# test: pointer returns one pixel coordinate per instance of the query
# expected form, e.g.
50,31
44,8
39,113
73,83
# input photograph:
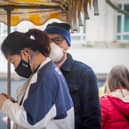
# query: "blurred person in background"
80,77
115,102
44,101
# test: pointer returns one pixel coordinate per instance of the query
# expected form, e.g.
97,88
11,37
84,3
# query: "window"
122,27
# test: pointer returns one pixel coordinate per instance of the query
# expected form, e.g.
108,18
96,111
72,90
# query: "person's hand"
2,100
8,97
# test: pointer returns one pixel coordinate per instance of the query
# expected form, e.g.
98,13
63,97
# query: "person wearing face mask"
80,77
44,101
57,55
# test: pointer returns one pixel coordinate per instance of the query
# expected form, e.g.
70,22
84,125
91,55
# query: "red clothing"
112,118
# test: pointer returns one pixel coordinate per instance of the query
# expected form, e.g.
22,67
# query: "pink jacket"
113,115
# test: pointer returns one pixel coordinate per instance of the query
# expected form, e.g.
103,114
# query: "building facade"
110,26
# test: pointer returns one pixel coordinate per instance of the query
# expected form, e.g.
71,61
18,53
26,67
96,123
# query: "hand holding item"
8,97
2,100
4,97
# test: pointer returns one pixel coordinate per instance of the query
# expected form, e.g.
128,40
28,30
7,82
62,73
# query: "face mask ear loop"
30,58
20,58
30,61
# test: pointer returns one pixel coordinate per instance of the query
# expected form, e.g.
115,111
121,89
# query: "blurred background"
101,42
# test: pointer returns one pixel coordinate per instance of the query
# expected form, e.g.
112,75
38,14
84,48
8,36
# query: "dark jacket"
84,91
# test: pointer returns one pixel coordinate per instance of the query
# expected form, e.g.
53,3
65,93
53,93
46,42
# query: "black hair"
34,39
118,78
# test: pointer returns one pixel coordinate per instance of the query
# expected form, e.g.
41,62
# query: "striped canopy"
39,11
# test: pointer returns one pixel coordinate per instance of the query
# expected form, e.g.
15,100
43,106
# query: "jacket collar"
67,65
122,94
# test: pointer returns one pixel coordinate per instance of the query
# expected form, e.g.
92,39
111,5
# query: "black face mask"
23,69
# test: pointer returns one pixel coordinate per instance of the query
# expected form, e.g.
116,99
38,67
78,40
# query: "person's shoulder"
81,65
104,101
83,68
49,67
47,71
104,98
50,71
75,64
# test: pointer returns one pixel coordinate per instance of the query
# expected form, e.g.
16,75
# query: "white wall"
102,60
101,28
110,24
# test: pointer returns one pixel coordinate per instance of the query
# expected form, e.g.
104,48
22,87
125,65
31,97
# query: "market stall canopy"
40,11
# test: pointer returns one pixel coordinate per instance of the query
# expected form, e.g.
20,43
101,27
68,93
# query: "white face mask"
56,52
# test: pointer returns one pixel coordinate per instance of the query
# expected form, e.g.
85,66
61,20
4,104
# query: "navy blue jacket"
84,91
44,101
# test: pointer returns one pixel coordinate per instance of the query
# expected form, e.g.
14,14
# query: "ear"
25,53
